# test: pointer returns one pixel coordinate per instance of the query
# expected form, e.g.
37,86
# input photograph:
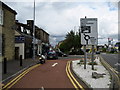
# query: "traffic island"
97,78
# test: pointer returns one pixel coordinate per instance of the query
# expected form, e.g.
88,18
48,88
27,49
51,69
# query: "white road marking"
54,64
117,64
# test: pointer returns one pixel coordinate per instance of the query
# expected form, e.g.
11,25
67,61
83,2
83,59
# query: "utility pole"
34,32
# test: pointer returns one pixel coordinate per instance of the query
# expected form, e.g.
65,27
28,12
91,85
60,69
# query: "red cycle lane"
52,74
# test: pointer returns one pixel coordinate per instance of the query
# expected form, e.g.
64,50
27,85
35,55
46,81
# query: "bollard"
21,60
5,65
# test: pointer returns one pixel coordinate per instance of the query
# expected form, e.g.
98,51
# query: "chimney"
30,23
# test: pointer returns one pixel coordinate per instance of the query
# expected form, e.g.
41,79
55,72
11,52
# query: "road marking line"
54,64
109,66
114,71
18,79
20,76
74,78
13,79
70,77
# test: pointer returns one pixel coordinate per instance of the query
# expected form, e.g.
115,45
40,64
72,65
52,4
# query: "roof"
7,7
24,25
41,29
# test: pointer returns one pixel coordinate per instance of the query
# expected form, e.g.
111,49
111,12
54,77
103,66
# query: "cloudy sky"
59,17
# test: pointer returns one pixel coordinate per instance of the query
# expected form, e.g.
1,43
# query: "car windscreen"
51,52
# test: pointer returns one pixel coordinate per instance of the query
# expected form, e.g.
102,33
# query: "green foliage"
72,44
104,49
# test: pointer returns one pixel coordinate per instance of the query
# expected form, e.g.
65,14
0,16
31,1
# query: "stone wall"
8,34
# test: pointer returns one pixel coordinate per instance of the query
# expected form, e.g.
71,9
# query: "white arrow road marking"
54,64
117,64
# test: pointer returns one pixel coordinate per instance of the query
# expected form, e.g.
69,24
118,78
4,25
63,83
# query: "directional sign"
85,29
89,33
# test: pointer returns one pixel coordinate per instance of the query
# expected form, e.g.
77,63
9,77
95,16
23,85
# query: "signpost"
89,36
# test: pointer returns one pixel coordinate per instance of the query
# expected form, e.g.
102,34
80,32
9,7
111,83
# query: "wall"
8,32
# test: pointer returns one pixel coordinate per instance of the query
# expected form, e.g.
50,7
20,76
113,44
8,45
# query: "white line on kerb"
54,64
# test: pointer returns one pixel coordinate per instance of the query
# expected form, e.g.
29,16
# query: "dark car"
97,52
52,55
61,54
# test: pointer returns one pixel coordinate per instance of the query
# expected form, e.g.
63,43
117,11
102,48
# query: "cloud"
58,18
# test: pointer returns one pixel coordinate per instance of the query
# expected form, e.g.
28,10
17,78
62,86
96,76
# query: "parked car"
97,52
52,55
61,54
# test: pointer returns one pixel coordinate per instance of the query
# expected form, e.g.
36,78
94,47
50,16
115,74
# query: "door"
16,53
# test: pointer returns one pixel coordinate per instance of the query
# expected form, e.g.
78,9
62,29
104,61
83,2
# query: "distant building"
117,46
7,34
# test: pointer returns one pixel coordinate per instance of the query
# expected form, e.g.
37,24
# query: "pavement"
14,68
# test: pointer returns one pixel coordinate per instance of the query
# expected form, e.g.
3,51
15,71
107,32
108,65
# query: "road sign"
85,29
89,34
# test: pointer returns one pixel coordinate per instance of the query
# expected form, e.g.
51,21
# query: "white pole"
34,32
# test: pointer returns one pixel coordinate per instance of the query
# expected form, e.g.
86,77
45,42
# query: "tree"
72,42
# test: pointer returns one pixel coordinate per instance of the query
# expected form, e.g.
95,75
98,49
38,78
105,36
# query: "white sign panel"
89,31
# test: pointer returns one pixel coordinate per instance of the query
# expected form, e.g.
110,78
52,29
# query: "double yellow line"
111,68
16,79
72,79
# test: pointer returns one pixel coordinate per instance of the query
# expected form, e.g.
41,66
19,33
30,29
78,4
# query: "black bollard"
21,60
5,65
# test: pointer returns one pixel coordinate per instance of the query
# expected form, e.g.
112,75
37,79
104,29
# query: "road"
112,59
52,74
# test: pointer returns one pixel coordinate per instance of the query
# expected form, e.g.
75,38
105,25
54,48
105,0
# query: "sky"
59,17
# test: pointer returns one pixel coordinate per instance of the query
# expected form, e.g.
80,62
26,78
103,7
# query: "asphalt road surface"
112,59
52,74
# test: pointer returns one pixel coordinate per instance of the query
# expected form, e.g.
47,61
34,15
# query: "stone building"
24,40
41,35
7,34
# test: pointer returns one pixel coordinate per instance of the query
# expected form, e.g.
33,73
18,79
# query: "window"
1,17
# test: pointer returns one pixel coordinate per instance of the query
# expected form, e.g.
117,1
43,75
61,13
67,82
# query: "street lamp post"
34,32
